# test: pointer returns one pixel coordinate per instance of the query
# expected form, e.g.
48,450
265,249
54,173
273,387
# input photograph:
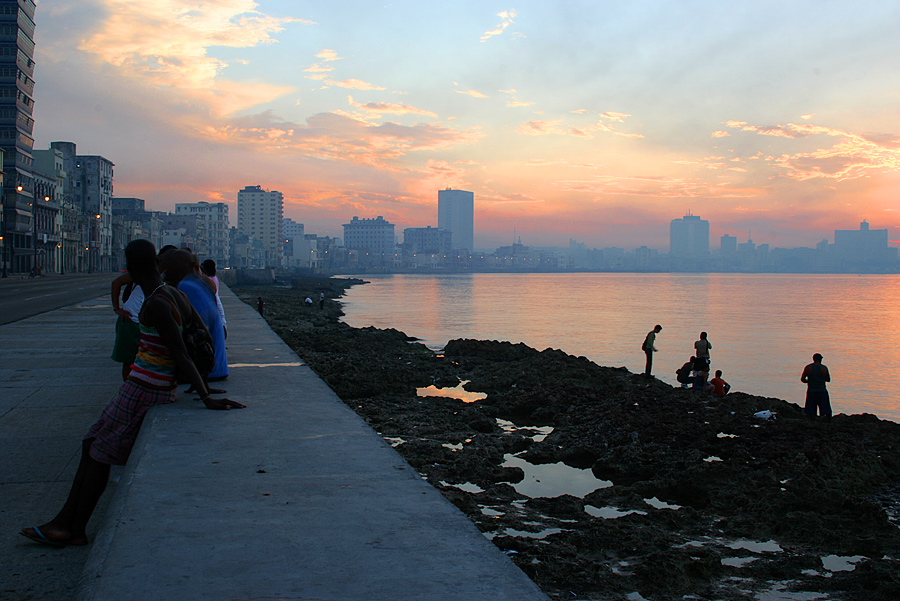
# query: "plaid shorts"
117,429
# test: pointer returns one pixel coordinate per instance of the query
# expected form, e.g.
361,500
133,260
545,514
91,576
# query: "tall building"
863,248
214,217
260,217
291,229
16,127
689,237
93,193
373,238
456,212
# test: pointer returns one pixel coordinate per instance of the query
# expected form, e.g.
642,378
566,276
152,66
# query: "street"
21,298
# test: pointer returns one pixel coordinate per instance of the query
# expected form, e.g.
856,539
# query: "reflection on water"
841,563
553,479
457,392
610,513
763,327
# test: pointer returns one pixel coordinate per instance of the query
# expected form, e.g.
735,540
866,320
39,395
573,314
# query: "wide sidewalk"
294,497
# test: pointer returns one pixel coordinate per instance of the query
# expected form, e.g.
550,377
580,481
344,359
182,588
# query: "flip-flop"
40,538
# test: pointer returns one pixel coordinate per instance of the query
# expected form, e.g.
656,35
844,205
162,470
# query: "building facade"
689,237
16,128
373,239
456,212
260,217
94,192
214,218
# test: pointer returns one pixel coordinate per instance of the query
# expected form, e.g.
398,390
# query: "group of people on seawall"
694,374
168,297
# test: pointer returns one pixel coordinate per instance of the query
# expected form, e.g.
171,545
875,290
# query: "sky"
596,121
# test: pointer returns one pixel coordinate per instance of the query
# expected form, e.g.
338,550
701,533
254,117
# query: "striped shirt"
154,367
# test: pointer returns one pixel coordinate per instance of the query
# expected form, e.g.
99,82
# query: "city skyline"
599,124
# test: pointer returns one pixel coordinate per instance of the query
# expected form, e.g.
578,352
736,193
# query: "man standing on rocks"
649,347
815,375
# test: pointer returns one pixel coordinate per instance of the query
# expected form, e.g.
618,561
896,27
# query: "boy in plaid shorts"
151,382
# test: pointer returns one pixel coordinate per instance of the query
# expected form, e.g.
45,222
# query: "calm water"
763,327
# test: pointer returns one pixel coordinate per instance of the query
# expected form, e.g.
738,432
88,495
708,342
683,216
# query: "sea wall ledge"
294,497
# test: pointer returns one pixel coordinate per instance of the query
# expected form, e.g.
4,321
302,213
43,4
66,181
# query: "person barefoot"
151,382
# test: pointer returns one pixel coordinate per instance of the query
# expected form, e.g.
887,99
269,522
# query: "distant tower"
456,212
689,237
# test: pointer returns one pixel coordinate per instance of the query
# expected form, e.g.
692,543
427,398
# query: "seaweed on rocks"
695,498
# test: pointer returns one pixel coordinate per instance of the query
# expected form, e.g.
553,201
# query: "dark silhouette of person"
702,347
683,374
261,306
649,347
151,382
815,376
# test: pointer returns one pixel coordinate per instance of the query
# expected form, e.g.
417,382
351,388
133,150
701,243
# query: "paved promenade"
294,497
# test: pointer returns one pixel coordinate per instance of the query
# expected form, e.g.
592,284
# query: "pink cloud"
381,108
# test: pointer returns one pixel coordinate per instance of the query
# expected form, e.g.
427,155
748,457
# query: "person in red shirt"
720,386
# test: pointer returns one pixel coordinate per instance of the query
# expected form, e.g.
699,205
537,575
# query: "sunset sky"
599,121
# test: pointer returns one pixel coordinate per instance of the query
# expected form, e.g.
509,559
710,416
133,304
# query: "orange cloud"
656,187
507,17
379,108
328,55
539,127
165,43
473,93
851,156
518,103
335,137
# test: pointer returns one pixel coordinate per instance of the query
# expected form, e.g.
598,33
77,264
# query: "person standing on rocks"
703,347
649,347
815,376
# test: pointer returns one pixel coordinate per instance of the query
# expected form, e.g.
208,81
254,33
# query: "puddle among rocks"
839,563
542,431
756,546
610,513
657,504
457,392
553,479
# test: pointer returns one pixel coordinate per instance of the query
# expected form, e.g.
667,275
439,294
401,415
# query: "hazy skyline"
597,121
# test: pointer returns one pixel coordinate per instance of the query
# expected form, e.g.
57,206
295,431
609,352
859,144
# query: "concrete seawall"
295,497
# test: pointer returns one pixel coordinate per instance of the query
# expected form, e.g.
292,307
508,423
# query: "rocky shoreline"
695,498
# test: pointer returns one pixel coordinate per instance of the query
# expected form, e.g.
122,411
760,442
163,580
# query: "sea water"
763,328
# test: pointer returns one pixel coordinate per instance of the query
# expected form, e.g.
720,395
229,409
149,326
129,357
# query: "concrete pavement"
294,497
55,377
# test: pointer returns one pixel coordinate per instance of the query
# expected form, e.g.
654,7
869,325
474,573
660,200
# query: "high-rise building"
291,229
93,193
260,216
863,248
689,237
214,217
16,127
456,212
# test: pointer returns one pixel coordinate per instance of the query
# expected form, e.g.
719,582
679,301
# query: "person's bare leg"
70,524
